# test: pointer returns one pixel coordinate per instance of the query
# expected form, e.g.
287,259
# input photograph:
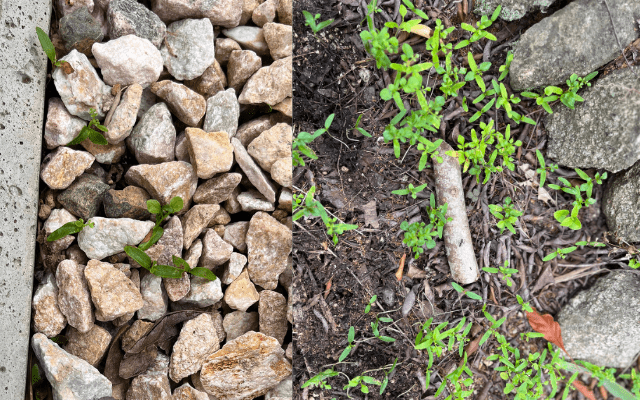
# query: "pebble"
153,139
165,181
212,81
265,12
247,10
253,200
279,38
188,49
272,310
263,366
105,154
184,103
282,171
47,317
186,392
215,250
284,390
234,267
285,12
241,66
198,339
147,100
128,17
218,189
285,107
138,329
79,30
203,293
249,37
170,244
155,297
236,234
248,131
113,294
84,197
128,59
223,111
224,47
124,117
211,152
110,235
61,127
271,145
71,378
255,175
269,85
182,150
241,293
237,323
285,201
130,202
57,218
268,243
196,220
73,295
82,89
150,387
231,205
63,165
225,13
90,346
65,7
192,255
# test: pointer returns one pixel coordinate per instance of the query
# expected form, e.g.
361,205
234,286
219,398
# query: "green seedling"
459,387
385,381
504,69
87,132
50,51
167,271
372,301
570,218
505,271
311,22
300,142
361,381
161,212
562,252
575,83
479,32
376,331
506,147
418,235
634,264
635,381
550,95
69,228
319,380
357,127
410,190
543,168
476,71
350,337
505,214
464,291
335,228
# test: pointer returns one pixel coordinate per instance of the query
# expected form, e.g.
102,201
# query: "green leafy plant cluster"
300,143
506,215
563,252
568,218
544,169
419,235
568,97
167,271
410,190
504,271
312,22
90,133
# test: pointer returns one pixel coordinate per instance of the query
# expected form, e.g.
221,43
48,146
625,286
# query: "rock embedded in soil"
237,323
511,9
224,47
61,127
198,339
217,189
130,202
241,293
600,325
165,181
606,126
71,378
282,171
223,111
583,42
620,204
153,139
234,267
212,81
269,85
79,30
249,37
128,59
74,299
47,317
57,218
63,165
110,235
128,17
269,244
90,346
155,297
196,220
113,294
253,200
271,145
84,197
215,250
272,310
262,368
124,117
210,152
186,104
188,49
248,131
236,235
225,13
265,13
241,66
255,175
279,38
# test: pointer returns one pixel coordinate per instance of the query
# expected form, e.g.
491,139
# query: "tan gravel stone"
63,165
285,107
212,80
105,154
198,339
282,171
195,220
279,38
90,346
233,268
61,127
186,104
224,47
215,250
269,85
130,202
238,323
242,293
265,12
272,309
220,218
217,189
285,12
285,201
73,295
271,145
248,131
269,244
210,152
47,317
165,181
255,175
247,10
231,204
186,392
242,65
124,116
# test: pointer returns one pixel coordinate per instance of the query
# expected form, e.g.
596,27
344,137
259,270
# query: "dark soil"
334,74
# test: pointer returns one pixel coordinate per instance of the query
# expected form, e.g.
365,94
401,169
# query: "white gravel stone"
74,299
71,378
253,200
225,13
47,317
124,117
234,267
110,235
57,218
182,149
155,298
188,49
165,181
223,111
249,37
61,127
198,339
203,293
153,139
128,59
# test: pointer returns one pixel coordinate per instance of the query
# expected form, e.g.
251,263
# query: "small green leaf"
96,137
156,234
167,271
69,228
176,204
474,296
457,287
180,263
203,273
46,44
154,206
352,334
138,256
84,133
344,354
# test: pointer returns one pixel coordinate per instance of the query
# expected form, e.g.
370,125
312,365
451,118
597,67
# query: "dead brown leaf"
422,30
584,390
401,268
546,325
328,288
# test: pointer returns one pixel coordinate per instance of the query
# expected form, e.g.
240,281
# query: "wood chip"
371,215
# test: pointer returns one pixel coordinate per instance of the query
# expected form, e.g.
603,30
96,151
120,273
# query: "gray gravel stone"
79,30
215,252
128,17
130,202
110,235
582,41
189,48
236,234
621,205
223,111
203,293
511,9
255,175
600,324
153,139
155,297
84,197
248,131
249,37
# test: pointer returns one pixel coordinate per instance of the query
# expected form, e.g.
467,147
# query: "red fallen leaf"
583,389
327,290
604,393
401,268
546,325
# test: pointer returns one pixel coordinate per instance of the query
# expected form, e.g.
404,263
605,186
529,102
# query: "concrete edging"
23,68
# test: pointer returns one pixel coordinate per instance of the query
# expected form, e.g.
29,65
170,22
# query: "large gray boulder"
511,9
577,39
604,131
600,324
621,204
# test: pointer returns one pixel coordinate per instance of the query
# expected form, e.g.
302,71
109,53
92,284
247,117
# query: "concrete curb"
23,67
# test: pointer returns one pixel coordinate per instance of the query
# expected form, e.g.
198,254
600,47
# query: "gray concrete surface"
23,67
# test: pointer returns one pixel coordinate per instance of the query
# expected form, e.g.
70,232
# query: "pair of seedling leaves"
138,253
